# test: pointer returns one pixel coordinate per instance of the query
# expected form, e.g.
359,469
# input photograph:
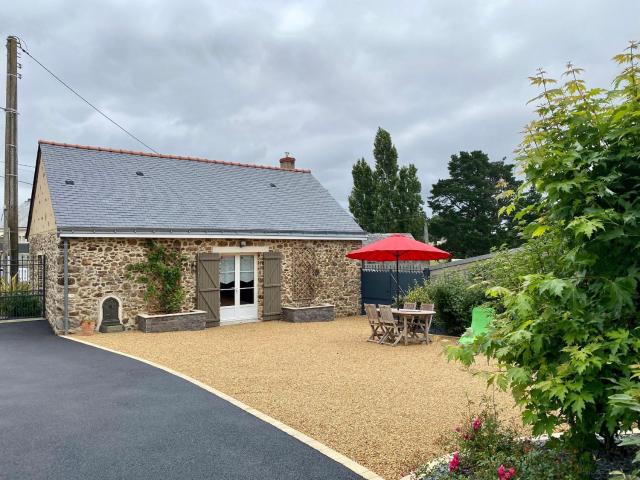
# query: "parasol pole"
398,278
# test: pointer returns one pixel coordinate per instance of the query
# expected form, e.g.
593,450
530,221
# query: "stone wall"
49,245
97,268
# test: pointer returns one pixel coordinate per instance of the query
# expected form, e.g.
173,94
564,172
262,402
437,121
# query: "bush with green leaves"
456,294
566,338
507,267
18,299
453,296
628,400
161,273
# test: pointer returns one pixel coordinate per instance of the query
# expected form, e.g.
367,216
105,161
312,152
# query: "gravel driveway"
71,411
385,407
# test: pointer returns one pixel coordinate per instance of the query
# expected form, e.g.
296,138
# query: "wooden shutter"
208,286
272,309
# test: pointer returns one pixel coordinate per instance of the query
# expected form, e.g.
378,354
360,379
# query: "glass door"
227,282
247,280
238,288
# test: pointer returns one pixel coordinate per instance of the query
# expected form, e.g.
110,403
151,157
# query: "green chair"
480,318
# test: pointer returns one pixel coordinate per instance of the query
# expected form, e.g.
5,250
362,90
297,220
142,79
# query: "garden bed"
315,313
172,322
620,459
487,448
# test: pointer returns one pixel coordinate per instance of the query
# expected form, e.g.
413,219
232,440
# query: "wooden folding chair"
423,328
412,320
377,330
390,325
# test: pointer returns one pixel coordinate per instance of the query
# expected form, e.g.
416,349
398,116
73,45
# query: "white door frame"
237,312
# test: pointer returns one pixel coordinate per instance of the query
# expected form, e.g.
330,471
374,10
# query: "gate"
379,286
22,288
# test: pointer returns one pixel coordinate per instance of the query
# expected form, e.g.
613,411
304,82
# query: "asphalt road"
71,411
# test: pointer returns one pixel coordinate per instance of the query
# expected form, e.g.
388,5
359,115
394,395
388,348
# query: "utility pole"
426,229
11,156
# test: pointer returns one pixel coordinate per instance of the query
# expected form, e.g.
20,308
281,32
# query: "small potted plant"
87,327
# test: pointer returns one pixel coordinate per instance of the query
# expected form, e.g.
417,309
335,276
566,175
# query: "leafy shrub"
453,296
18,300
21,305
629,401
487,449
456,294
162,275
566,338
506,268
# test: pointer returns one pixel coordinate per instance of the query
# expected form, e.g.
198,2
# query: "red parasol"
397,247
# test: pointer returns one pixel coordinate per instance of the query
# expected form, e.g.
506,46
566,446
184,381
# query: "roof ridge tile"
174,157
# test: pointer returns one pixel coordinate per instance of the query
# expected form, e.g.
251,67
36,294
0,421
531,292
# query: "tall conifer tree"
465,206
387,199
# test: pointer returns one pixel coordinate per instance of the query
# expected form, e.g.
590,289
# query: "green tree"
386,182
387,198
409,207
363,198
567,339
465,206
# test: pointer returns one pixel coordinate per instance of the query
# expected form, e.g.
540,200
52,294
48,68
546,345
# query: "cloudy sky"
246,81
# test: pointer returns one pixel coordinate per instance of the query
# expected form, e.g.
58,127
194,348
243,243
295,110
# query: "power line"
21,181
25,165
84,99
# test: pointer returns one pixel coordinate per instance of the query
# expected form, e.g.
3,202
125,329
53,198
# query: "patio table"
420,315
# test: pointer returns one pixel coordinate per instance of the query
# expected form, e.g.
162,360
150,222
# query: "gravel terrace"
385,407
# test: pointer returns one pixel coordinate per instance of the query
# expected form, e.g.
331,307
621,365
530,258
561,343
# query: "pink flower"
477,423
504,474
454,464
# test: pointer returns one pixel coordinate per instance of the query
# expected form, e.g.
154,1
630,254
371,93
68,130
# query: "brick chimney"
287,162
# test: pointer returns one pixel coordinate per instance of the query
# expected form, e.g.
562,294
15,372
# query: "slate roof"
374,237
184,195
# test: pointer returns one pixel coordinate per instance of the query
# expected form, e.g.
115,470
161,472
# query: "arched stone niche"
110,315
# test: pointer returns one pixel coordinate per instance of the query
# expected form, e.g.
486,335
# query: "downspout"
66,285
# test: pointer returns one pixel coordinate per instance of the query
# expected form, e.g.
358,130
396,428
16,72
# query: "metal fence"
379,286
22,288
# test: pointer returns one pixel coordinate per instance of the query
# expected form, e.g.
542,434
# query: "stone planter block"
172,322
317,313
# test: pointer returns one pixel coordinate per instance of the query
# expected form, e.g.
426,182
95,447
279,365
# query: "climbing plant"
161,273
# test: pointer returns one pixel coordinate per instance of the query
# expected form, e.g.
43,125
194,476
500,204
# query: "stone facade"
97,268
50,246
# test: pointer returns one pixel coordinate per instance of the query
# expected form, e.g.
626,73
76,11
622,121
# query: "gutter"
82,233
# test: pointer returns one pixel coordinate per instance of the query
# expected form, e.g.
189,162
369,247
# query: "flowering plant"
477,423
487,449
504,474
454,464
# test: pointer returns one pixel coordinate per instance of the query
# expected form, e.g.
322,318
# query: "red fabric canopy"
398,247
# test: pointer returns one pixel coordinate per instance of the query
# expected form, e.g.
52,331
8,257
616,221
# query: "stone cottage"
271,235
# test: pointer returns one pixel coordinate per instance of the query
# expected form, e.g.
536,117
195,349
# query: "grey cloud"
246,81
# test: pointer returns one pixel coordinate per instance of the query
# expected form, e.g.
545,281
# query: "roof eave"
90,232
33,192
